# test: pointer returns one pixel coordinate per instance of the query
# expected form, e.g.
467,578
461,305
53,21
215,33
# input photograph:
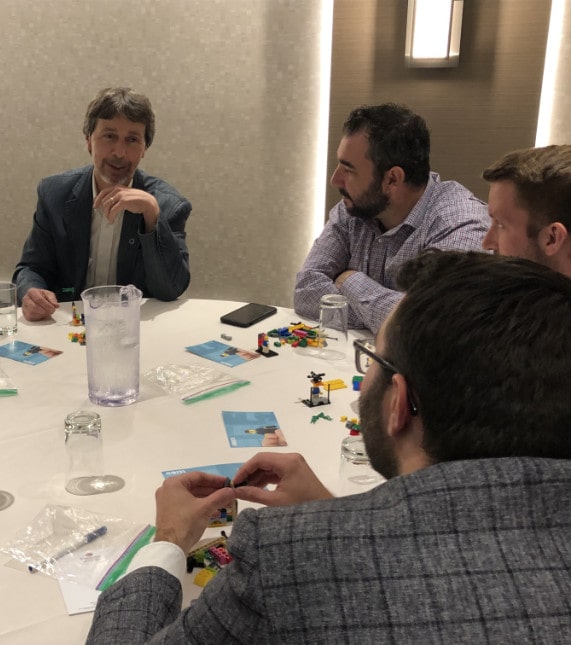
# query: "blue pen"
69,548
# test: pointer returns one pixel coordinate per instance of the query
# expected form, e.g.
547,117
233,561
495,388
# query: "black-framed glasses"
365,353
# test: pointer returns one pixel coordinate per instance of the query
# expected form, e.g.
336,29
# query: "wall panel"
477,111
234,85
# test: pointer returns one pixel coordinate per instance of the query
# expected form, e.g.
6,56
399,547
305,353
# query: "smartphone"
248,315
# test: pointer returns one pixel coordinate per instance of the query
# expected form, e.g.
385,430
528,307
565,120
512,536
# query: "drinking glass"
8,309
332,338
83,444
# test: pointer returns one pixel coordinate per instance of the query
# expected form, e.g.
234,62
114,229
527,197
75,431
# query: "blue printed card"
253,430
222,353
22,352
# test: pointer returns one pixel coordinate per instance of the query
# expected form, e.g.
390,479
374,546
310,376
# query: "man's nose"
489,243
337,178
119,149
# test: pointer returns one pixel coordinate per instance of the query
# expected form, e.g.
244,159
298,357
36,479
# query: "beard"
371,203
377,443
115,174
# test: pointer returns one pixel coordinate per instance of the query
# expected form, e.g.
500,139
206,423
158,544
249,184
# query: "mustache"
344,193
120,165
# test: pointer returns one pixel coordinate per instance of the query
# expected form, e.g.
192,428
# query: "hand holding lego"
186,503
39,304
115,199
294,479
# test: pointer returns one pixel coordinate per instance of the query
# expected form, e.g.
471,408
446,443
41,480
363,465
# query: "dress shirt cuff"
166,555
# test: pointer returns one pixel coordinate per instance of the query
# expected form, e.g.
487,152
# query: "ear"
393,178
552,237
399,411
88,140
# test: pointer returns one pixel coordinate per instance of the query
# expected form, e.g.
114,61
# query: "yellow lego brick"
203,577
335,384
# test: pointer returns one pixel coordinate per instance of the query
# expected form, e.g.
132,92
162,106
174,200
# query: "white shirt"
104,245
166,555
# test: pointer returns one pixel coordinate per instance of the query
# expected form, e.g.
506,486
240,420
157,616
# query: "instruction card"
253,430
222,353
226,470
22,352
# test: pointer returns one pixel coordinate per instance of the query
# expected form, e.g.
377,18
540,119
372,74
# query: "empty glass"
83,443
8,309
333,313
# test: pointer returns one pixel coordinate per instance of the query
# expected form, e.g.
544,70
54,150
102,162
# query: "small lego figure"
76,319
264,346
316,391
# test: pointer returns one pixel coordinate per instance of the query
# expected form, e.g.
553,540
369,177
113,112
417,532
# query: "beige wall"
234,84
477,111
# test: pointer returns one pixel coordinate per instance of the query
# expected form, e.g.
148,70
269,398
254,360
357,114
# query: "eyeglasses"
364,353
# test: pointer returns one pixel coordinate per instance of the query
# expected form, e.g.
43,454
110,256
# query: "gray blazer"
461,552
56,252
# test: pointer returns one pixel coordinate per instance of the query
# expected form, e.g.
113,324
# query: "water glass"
8,309
333,313
84,448
357,475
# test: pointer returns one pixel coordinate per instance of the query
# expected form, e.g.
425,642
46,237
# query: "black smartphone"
248,315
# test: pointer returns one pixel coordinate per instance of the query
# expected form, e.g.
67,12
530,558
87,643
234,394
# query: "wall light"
433,33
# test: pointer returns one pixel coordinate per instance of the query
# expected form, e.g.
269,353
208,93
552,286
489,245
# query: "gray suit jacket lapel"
77,218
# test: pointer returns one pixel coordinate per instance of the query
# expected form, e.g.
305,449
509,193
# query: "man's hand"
340,279
186,503
115,199
294,479
39,304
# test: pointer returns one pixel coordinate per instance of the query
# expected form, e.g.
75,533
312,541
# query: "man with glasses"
465,408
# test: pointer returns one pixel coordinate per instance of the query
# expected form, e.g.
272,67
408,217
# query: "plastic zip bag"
75,545
192,383
6,386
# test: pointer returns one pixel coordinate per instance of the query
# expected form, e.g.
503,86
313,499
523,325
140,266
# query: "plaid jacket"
461,552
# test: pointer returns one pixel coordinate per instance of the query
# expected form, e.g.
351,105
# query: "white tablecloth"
139,441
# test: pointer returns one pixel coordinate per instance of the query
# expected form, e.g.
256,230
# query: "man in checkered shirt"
392,208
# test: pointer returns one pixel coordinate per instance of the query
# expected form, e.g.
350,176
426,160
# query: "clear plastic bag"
6,386
192,383
75,545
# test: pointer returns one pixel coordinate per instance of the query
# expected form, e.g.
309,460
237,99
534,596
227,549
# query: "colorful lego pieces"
77,337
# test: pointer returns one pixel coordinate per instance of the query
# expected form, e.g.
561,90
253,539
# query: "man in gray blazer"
108,223
465,408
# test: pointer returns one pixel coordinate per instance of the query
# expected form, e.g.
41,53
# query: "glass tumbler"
84,448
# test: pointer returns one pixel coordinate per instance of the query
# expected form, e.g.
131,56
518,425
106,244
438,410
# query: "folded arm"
165,254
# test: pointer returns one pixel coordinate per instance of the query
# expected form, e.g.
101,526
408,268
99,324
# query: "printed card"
17,350
222,353
253,430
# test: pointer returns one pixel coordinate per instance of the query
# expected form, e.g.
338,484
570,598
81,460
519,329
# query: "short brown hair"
121,101
542,177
